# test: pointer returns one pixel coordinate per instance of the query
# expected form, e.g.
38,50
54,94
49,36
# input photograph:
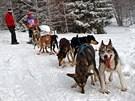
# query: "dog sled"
45,29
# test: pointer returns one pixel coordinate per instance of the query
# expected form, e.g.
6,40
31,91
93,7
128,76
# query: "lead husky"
109,61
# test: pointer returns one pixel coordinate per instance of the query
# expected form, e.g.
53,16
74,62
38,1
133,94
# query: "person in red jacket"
31,23
10,22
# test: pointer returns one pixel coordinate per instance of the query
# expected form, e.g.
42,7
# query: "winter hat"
9,10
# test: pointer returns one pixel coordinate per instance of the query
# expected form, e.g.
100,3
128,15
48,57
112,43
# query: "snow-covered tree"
79,16
87,15
103,13
22,7
53,18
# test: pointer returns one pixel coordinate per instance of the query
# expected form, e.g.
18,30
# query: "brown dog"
48,41
65,50
45,41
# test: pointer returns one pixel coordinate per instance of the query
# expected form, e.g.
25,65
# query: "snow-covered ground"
26,76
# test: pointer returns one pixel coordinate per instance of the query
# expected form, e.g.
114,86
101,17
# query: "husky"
36,37
85,63
109,61
53,43
77,41
65,51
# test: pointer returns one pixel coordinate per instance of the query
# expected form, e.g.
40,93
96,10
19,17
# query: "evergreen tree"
103,14
79,16
86,16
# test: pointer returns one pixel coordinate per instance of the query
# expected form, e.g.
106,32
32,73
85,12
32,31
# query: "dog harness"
83,46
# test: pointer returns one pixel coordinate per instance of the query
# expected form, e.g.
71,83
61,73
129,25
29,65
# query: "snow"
26,76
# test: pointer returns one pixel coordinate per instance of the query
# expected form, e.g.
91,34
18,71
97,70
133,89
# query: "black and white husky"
109,61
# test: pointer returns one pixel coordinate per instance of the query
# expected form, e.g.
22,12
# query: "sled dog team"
82,56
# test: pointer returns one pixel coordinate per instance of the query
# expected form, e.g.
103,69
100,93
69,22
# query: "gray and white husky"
109,61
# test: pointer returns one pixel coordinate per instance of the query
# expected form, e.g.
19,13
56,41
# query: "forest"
77,16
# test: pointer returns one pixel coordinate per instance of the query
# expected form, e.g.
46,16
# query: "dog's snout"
59,64
105,56
60,60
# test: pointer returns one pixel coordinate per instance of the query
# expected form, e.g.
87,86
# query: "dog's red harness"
107,61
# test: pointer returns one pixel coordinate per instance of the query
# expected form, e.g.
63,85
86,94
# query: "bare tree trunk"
118,12
11,6
124,12
36,4
65,16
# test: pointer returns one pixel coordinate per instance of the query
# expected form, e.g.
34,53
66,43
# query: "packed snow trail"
26,76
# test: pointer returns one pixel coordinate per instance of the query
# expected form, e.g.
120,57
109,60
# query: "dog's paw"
124,89
92,83
104,91
38,53
50,53
72,65
63,66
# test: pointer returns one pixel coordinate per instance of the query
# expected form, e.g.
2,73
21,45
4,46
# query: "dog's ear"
72,75
110,42
102,43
